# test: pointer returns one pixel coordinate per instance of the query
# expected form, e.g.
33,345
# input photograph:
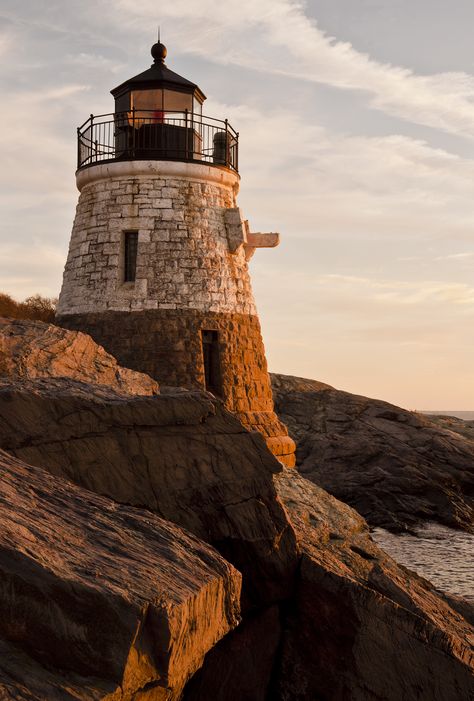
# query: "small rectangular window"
212,366
130,255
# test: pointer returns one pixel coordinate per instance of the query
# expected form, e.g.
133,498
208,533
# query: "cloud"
9,35
97,63
5,43
37,192
457,256
35,145
409,342
380,296
309,180
291,43
403,293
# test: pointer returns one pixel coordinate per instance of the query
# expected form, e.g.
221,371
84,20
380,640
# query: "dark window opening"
130,256
212,365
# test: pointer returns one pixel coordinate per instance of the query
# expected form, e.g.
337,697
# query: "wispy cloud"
292,44
349,186
35,149
5,43
97,62
400,292
372,335
456,256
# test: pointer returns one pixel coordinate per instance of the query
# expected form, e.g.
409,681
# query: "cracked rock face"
32,349
326,615
361,626
183,456
98,600
395,467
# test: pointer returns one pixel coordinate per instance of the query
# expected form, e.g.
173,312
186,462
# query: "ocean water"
440,554
465,415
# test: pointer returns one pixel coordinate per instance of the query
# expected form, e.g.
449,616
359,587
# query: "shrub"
8,306
34,307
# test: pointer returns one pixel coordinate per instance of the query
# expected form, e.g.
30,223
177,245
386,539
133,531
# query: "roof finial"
158,50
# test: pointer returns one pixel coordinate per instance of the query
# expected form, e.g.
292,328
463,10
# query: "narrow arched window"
130,255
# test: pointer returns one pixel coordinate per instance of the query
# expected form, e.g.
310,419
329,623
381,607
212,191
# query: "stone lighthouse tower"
157,267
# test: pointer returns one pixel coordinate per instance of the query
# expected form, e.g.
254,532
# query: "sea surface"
465,415
440,554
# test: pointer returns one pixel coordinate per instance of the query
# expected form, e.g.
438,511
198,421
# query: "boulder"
463,426
98,600
360,626
182,456
32,349
395,467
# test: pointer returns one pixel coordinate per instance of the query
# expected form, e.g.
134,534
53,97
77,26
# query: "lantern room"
159,93
158,116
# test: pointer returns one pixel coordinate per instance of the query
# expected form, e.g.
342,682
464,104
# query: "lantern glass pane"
146,100
197,107
177,101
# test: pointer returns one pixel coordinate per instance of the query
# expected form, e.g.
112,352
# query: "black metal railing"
157,135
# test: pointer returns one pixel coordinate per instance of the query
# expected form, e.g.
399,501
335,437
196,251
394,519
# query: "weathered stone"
180,455
360,626
201,209
32,349
235,228
100,600
394,466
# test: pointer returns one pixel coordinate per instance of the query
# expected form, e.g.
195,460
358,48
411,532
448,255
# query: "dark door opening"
212,365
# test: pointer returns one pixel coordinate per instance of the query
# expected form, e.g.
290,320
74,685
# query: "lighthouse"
157,269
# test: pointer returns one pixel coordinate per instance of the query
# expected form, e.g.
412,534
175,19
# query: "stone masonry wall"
183,259
166,345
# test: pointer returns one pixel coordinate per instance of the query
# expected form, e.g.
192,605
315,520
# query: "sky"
356,122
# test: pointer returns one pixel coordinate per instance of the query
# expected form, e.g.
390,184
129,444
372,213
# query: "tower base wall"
167,345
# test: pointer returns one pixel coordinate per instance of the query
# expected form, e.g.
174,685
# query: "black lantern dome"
158,89
158,116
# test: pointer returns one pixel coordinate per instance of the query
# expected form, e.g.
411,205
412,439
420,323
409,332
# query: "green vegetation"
34,307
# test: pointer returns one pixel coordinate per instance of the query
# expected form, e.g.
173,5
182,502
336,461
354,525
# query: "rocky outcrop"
452,423
182,456
360,626
98,600
326,615
32,349
282,384
394,466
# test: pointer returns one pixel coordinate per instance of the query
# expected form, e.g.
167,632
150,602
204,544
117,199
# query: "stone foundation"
166,344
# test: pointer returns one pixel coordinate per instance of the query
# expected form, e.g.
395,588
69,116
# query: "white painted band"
176,169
